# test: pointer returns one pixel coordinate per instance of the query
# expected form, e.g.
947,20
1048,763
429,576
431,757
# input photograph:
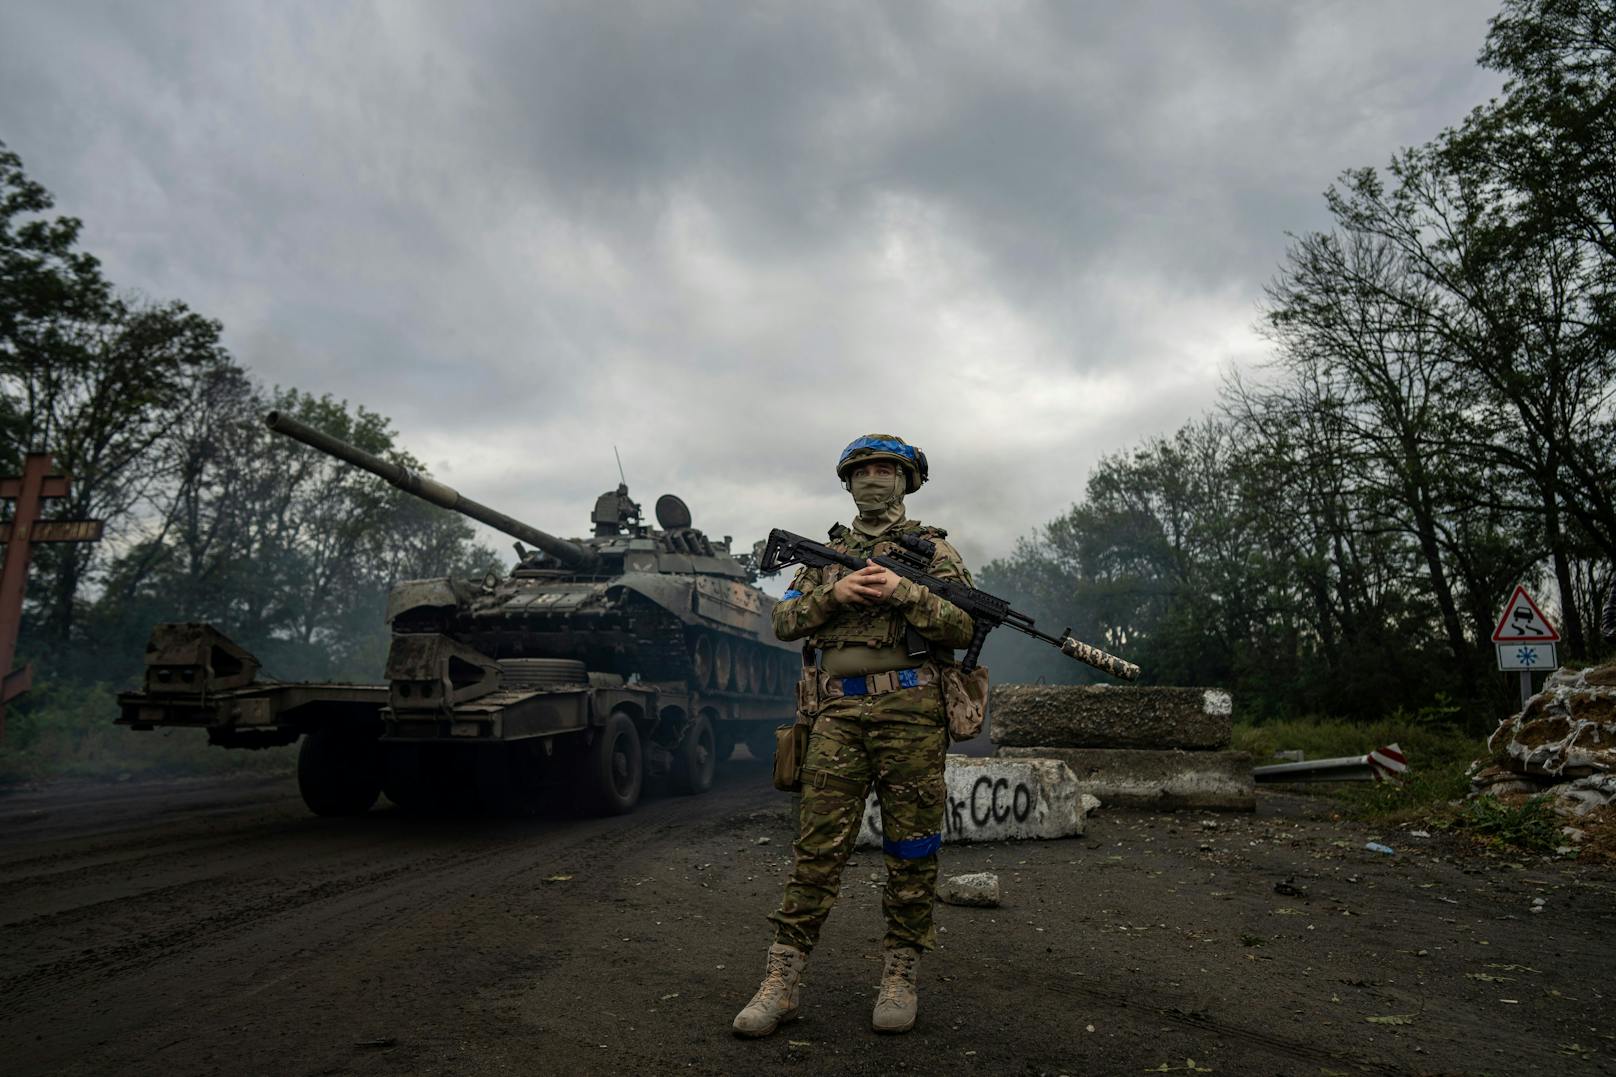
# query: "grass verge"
1531,824
67,731
1435,792
1439,755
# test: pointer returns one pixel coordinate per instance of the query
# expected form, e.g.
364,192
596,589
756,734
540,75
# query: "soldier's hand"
884,579
859,588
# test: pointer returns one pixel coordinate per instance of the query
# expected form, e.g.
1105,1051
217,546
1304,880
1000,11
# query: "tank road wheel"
723,663
701,660
760,741
339,771
769,672
616,767
756,663
743,667
696,757
790,671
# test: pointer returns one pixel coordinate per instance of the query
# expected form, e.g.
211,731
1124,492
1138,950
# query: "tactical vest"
873,625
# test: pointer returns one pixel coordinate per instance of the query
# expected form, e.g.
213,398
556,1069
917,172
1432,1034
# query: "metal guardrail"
1379,765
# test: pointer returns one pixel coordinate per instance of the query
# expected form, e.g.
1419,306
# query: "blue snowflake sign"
1526,657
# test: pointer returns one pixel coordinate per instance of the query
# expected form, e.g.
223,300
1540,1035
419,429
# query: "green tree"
96,379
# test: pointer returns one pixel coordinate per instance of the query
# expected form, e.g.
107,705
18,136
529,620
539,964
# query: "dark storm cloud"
728,238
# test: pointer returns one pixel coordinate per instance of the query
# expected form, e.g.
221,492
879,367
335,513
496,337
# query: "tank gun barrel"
568,553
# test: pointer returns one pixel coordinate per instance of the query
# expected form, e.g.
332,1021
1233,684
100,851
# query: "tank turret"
663,604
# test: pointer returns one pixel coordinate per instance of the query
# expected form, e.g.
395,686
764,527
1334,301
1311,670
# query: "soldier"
878,717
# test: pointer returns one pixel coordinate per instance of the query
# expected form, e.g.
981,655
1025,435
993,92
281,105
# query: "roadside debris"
980,889
1562,744
1377,847
1288,888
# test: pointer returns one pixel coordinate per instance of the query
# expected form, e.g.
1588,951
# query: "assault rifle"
912,561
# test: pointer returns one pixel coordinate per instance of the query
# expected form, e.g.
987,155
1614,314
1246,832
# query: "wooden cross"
19,535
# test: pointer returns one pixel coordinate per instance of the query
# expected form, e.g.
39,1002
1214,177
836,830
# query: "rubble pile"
1146,747
1563,742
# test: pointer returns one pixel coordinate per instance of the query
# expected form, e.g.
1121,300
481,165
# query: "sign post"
1525,640
19,535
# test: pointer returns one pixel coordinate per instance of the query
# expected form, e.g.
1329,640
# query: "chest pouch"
860,626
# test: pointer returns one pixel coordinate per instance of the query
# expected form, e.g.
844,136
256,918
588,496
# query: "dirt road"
213,926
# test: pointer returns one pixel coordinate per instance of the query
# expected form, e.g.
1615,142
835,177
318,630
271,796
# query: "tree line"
1435,425
209,516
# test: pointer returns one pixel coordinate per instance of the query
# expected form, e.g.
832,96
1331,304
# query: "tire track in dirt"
1201,1021
136,954
191,916
64,869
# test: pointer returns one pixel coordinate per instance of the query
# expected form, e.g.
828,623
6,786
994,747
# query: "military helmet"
885,447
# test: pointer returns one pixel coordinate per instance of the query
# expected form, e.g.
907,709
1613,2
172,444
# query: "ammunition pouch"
965,700
791,741
790,749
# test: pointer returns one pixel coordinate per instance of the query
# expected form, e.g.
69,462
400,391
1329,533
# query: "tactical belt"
876,684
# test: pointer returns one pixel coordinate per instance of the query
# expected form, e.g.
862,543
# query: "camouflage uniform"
888,729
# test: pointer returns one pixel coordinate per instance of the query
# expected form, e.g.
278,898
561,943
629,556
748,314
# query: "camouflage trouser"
898,741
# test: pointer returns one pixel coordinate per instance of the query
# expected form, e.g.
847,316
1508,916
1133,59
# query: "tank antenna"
620,474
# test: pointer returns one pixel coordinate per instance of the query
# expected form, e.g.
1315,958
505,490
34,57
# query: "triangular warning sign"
1523,622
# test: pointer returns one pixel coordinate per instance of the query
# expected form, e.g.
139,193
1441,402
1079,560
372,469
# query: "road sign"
1523,622
1526,657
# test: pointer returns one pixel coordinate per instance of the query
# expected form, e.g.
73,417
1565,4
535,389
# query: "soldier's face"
875,486
883,469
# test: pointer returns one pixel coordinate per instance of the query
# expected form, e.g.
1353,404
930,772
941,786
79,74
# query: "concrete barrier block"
1000,799
1169,780
1109,716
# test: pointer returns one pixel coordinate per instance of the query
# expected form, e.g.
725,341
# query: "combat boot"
777,997
896,1004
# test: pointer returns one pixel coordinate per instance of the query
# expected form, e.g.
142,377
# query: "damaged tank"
635,652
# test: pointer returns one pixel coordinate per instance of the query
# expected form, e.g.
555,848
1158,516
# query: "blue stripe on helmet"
912,848
897,448
793,593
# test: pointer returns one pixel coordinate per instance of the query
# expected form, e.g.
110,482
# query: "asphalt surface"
213,926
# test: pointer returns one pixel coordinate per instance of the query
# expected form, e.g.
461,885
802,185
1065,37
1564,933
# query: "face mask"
879,499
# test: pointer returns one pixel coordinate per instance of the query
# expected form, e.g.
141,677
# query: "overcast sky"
725,237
